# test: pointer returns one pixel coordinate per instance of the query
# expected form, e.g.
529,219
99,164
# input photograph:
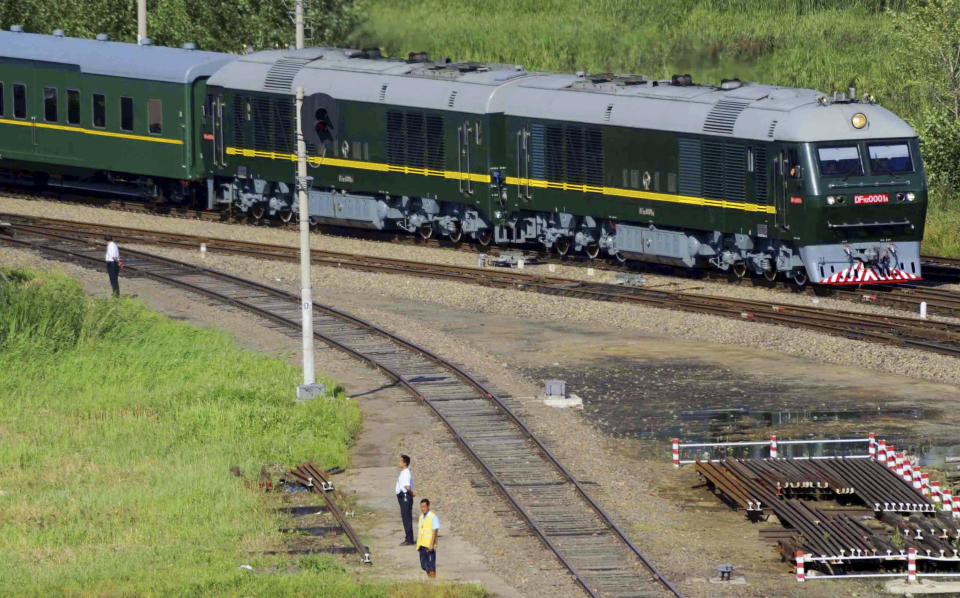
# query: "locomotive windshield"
890,157
841,160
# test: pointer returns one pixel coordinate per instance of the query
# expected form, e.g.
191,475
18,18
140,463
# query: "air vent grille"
608,112
383,92
723,116
453,98
281,74
773,127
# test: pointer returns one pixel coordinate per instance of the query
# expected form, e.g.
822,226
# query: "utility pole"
309,389
299,20
141,20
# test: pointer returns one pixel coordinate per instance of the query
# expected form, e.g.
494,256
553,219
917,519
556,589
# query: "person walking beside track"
427,532
113,265
405,496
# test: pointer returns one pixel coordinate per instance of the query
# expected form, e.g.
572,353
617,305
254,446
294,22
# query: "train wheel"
739,270
426,231
592,250
257,212
620,258
799,279
770,275
456,236
484,238
562,245
285,216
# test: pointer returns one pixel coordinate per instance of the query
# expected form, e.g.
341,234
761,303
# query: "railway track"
936,269
928,335
554,504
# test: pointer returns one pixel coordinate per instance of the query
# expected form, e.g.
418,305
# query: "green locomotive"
740,177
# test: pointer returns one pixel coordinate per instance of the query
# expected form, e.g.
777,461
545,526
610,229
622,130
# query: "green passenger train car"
96,114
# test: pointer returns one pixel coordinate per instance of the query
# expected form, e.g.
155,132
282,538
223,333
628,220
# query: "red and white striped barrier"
801,574
773,446
935,493
911,565
899,464
925,485
907,471
676,452
947,501
872,449
882,452
891,457
917,480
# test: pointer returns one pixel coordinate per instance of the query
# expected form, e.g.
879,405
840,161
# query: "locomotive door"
468,137
780,191
523,165
219,154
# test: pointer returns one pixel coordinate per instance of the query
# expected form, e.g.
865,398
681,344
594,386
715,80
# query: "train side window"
155,117
73,107
99,110
50,104
1,98
126,113
19,100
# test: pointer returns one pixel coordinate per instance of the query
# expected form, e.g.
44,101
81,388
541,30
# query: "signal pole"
141,20
309,389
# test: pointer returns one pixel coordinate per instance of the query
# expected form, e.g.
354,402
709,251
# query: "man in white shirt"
405,494
113,265
427,531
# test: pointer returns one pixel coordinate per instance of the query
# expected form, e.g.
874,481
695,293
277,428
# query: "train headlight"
911,196
858,120
831,200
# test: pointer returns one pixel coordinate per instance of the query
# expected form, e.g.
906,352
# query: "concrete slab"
925,587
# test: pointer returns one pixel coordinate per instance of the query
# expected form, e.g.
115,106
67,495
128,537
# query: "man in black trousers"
405,496
113,265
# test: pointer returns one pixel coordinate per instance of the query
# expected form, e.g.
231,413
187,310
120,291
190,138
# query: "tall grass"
118,429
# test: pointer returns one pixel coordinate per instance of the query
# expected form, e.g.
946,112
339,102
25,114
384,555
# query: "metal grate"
415,139
723,116
383,92
734,172
281,74
773,127
712,156
453,98
760,175
690,183
608,112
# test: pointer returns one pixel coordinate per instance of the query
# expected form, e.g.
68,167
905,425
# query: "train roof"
116,59
735,109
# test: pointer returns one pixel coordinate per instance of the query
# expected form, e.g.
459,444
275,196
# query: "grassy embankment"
821,44
118,429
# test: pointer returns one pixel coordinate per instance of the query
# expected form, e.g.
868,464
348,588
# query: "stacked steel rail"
555,505
939,337
310,476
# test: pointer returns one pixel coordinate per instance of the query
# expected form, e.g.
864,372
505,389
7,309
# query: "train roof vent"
383,91
103,37
453,98
723,116
608,112
773,127
281,74
16,28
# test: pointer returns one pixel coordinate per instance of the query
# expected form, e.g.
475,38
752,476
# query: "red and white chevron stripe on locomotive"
861,274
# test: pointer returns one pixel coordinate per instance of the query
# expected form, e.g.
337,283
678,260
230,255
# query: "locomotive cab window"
889,158
99,110
126,113
155,117
19,100
73,107
50,104
841,160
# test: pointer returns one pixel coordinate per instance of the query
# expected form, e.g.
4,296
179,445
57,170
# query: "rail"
167,270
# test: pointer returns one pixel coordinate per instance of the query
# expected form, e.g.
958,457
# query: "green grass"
118,430
942,235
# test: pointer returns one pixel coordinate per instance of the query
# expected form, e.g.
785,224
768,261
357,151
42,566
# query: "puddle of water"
698,402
